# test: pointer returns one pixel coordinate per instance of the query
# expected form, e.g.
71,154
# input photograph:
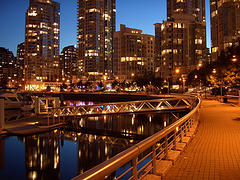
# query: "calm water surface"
84,143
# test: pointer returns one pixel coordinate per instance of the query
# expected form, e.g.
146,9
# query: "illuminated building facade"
42,41
180,42
96,24
193,7
225,24
8,66
133,53
68,63
20,59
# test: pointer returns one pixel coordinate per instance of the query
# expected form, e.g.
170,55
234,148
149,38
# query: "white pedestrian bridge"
149,158
166,103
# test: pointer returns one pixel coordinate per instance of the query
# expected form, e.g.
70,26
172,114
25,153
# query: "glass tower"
96,24
42,41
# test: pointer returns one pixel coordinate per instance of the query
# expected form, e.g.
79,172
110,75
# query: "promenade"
214,152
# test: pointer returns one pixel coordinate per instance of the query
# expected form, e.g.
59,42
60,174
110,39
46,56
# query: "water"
84,143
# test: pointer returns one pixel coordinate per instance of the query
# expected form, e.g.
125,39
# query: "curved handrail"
107,167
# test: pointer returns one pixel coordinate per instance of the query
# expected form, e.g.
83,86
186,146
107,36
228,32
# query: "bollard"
2,122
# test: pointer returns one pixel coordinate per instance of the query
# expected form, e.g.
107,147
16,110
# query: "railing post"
184,128
134,171
187,127
191,122
180,134
154,159
166,146
174,140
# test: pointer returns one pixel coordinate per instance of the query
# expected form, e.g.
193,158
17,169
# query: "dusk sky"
140,14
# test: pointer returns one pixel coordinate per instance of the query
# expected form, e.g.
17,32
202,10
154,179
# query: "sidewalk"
214,152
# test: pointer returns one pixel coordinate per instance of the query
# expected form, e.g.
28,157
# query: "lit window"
215,49
198,41
33,13
198,51
162,27
214,13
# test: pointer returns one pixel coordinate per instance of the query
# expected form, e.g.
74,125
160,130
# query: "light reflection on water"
84,143
77,103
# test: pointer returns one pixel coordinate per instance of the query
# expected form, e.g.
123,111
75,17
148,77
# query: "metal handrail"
131,155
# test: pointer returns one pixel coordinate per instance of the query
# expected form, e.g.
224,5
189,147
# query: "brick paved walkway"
214,152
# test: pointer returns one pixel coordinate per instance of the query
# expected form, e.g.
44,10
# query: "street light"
105,78
234,59
214,71
177,71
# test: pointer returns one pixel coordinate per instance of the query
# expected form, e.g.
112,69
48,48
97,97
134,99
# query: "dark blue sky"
140,14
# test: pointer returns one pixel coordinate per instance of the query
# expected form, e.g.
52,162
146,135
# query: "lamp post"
221,81
132,75
177,71
234,58
168,81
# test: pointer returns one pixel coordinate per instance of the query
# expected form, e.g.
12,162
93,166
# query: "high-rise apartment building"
180,42
8,66
20,59
42,25
133,53
225,24
96,24
193,7
68,63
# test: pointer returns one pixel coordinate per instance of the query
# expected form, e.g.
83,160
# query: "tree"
79,84
225,71
87,84
114,84
149,79
100,84
63,86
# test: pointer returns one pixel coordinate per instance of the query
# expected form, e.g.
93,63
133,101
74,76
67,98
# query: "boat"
11,100
28,102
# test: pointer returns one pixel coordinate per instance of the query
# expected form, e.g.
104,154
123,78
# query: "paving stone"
152,177
186,139
190,133
173,155
163,166
214,151
180,146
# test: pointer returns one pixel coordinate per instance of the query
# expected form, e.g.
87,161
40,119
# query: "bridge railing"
174,103
142,158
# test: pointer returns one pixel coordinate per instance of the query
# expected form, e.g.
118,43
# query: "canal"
82,144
